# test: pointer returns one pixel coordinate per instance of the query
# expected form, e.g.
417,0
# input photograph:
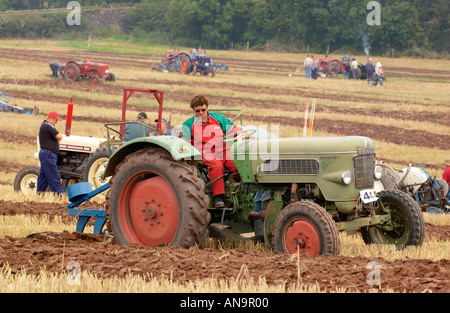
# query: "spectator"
379,76
446,174
56,69
136,129
49,139
369,70
314,68
206,130
194,54
308,65
164,129
377,64
354,68
347,71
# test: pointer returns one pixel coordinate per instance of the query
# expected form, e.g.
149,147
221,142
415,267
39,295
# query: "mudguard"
178,148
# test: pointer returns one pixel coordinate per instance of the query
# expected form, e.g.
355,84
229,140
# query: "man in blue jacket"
56,69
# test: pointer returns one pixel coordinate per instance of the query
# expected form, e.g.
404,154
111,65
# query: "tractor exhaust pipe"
69,117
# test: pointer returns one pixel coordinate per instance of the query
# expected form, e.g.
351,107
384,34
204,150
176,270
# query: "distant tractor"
333,67
85,69
185,64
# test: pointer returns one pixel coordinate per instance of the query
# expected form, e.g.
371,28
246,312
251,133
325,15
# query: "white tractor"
430,193
80,159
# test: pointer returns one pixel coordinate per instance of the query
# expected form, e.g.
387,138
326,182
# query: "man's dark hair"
199,100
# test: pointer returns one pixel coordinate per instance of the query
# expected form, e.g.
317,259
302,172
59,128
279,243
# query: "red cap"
54,114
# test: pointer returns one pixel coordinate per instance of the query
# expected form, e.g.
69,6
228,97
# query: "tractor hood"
80,143
310,145
255,158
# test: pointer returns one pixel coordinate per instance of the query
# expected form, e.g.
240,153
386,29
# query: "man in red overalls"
207,130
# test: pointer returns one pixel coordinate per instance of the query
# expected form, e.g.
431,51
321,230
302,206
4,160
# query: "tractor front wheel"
407,224
305,227
26,179
111,78
155,200
94,168
95,79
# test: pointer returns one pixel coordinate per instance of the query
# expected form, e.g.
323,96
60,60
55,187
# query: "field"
408,121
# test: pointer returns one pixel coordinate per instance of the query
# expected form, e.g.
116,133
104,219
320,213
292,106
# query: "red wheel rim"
183,67
70,73
149,212
301,234
94,80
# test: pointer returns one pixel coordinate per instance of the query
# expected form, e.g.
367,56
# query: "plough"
7,105
80,193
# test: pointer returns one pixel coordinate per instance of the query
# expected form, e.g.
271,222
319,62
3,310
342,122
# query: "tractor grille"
291,167
364,165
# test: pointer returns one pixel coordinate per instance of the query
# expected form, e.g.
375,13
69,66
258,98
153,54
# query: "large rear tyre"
334,68
26,180
155,200
186,65
72,72
305,227
407,221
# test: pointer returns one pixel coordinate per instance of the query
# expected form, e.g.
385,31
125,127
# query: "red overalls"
207,138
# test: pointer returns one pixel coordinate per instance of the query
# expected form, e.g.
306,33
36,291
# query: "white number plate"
368,195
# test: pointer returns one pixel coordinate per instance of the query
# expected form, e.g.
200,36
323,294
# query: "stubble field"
408,121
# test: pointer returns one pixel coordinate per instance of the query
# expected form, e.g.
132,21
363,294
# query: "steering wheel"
239,135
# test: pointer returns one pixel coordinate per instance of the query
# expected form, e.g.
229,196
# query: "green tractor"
294,194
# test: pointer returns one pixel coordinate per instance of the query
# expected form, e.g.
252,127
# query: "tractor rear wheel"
185,67
26,179
305,227
406,218
334,67
155,200
72,72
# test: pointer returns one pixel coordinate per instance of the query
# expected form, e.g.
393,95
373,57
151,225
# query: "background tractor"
80,159
431,193
86,69
294,194
186,64
333,67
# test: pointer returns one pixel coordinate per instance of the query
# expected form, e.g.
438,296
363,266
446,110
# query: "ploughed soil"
105,258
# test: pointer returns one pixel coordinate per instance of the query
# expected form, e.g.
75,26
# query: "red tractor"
330,67
86,69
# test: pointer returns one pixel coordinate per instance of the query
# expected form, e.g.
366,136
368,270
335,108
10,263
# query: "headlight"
346,177
378,172
106,71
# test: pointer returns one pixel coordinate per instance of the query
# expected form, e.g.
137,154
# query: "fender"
178,148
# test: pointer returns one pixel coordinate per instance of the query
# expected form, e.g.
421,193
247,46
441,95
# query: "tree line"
405,26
